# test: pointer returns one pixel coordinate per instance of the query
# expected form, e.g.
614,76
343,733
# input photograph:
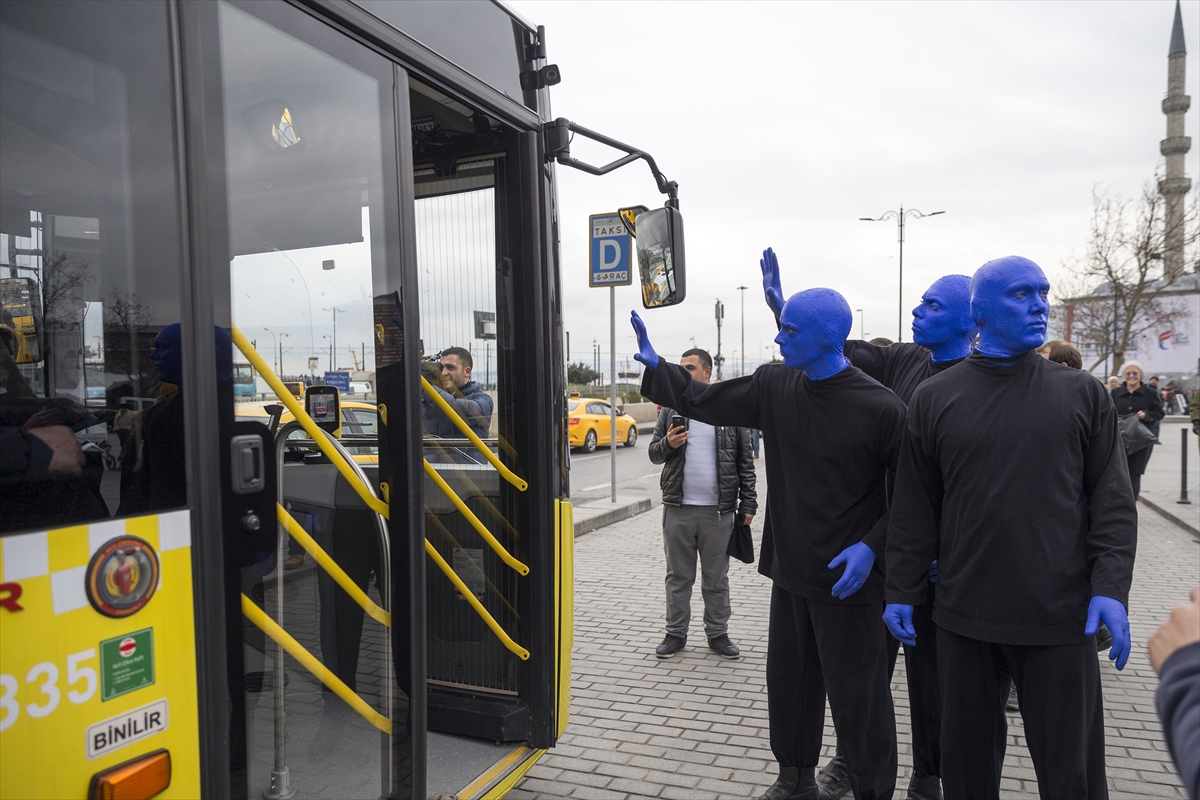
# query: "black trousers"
1061,705
924,691
817,648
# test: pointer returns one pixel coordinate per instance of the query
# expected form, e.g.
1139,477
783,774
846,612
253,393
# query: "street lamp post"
281,338
861,335
742,368
720,314
274,347
333,344
900,216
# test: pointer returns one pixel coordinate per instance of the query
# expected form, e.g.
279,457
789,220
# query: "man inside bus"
465,396
832,434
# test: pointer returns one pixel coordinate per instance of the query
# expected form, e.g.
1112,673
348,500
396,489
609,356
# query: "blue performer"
833,434
1013,477
943,331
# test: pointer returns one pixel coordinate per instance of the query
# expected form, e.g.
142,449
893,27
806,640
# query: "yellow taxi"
358,419
589,424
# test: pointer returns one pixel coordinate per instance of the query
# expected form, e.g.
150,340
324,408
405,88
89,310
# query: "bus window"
89,237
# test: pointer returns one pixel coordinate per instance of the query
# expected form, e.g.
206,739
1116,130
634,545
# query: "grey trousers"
689,531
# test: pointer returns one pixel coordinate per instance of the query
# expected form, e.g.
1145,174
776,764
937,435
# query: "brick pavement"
695,726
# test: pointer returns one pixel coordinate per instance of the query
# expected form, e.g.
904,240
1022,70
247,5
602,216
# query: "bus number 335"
45,676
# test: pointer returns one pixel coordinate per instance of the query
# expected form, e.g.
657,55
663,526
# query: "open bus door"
235,610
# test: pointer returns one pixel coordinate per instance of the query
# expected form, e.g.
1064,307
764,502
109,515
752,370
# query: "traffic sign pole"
612,363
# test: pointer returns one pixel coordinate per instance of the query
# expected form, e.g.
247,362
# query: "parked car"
589,424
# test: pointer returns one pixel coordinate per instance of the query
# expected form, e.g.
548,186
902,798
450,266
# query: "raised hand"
858,559
1112,613
645,354
898,619
771,286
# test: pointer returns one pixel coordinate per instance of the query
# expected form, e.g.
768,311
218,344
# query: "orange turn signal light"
139,779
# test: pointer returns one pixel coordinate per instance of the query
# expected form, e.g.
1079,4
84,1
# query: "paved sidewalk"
695,726
1161,483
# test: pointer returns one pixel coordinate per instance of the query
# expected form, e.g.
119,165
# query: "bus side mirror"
659,238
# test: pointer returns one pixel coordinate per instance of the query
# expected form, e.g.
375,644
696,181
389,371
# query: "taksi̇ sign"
610,256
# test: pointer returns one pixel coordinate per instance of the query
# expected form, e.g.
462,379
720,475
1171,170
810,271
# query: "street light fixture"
333,345
900,216
282,336
861,335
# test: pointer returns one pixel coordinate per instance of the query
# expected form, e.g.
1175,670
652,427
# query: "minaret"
1175,186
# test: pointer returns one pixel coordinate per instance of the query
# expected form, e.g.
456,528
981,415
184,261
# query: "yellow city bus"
243,609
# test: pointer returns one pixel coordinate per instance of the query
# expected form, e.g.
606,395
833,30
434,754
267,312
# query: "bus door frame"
200,148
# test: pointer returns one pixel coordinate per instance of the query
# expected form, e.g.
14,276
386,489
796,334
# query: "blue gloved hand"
933,572
645,354
898,619
771,287
858,559
1112,613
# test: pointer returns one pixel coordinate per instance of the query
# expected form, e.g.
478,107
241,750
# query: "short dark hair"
705,358
462,354
1061,352
881,341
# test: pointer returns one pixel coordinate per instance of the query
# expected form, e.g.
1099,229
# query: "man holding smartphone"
707,480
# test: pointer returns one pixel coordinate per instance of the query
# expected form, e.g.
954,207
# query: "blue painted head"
812,332
1010,306
943,321
167,354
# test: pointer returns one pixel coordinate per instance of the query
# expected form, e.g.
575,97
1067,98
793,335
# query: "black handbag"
1134,435
741,545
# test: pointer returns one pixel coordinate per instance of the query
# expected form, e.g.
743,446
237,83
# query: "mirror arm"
558,148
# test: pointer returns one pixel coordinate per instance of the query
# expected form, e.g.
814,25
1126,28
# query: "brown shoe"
293,562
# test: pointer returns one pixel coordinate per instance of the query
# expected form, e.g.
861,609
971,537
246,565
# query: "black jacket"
1141,399
735,467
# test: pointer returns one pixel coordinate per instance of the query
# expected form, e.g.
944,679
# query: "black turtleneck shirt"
1013,476
829,445
901,366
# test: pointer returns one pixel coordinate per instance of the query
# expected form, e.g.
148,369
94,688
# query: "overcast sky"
784,123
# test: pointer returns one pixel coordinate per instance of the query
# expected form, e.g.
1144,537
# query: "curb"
606,518
1162,512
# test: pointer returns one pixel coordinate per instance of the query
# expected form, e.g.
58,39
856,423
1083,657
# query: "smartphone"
676,421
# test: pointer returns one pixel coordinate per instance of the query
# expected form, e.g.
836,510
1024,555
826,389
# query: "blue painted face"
1010,306
943,321
167,354
812,332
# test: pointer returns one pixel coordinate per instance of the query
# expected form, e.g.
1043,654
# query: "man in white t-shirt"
707,481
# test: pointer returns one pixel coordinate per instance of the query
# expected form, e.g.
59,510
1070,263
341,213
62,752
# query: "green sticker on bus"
126,663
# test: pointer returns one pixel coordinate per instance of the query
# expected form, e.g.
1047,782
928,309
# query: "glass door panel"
309,141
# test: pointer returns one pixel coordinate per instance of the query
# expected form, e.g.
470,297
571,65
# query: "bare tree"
63,279
1119,290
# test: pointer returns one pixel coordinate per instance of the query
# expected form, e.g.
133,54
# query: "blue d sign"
611,245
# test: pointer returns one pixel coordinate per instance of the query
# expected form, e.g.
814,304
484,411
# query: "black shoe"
1012,704
1103,638
670,646
793,783
834,780
927,788
724,647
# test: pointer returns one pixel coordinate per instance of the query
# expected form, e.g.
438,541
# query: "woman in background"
1134,398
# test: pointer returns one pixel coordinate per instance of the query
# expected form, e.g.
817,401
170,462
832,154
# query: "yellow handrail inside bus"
309,662
462,425
430,517
521,652
336,572
306,421
479,494
492,541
